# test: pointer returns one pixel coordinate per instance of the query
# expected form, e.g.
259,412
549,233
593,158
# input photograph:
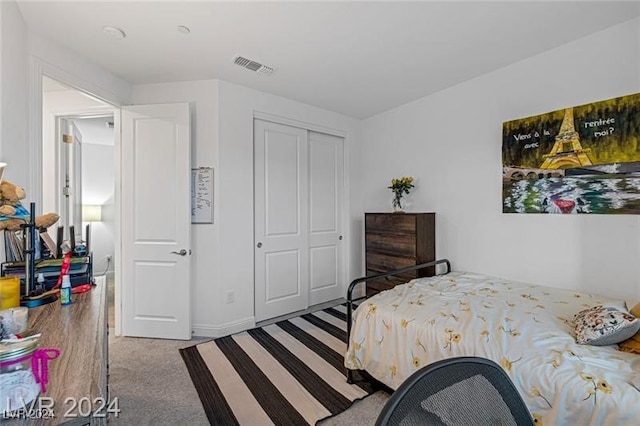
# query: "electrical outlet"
230,297
109,257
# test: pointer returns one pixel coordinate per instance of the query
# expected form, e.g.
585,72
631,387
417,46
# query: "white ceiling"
96,131
356,58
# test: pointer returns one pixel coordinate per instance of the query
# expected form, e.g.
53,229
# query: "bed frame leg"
350,377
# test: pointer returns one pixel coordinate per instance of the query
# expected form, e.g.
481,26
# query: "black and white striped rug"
288,373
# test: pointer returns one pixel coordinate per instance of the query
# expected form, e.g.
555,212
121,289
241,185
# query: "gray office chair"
456,392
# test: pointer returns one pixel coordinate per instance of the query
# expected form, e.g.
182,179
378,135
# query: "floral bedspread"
525,328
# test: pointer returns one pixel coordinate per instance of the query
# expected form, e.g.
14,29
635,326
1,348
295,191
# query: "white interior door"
326,177
69,178
156,221
281,220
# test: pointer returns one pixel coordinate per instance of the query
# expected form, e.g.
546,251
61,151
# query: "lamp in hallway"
91,213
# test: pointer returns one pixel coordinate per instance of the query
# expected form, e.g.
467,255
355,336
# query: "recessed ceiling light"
183,30
114,32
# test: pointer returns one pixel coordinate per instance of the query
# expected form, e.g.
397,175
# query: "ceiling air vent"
253,65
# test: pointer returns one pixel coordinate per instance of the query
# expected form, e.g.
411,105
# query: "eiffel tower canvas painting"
583,159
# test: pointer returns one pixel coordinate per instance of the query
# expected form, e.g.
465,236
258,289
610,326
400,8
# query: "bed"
527,329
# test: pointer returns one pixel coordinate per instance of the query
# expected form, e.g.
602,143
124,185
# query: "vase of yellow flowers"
400,187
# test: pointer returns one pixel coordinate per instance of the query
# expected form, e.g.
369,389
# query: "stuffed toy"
12,214
10,196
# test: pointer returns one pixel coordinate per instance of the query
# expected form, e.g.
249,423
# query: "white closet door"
281,219
325,222
299,178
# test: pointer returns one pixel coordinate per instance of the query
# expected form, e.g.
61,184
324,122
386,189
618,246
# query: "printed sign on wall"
582,159
202,195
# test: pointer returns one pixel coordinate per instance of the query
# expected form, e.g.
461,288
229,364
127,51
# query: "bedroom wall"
451,141
222,137
98,189
237,104
68,67
14,147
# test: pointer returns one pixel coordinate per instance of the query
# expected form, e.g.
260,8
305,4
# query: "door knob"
182,252
259,245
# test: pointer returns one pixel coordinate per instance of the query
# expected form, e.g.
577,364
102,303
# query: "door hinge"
67,138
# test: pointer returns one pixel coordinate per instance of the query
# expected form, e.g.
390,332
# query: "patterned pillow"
604,325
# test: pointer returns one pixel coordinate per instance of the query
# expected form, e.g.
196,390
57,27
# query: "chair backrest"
456,392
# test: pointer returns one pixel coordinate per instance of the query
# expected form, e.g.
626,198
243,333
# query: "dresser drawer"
400,244
397,222
379,263
380,284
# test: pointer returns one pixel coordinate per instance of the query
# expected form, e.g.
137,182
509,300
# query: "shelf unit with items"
31,252
398,240
80,271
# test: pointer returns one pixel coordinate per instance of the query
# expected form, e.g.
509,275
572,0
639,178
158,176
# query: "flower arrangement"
400,187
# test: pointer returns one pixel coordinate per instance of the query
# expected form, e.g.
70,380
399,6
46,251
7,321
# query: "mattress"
527,329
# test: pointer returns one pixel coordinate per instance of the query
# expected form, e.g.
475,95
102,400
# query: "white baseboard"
206,330
101,280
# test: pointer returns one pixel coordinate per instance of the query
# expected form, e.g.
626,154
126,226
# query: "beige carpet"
362,413
151,383
153,386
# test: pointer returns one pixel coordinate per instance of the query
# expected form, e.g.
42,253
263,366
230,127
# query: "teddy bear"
12,214
10,196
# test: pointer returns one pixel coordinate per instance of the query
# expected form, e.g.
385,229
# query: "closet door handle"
182,252
259,245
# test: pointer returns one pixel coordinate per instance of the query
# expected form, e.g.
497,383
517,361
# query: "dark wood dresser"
398,240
